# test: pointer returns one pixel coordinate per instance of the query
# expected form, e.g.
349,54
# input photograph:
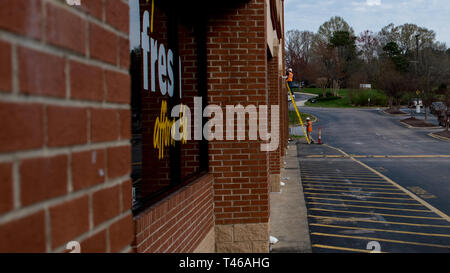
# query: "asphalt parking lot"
350,206
377,182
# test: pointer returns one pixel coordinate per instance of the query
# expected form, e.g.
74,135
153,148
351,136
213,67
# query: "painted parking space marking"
354,219
322,175
346,198
350,195
338,179
375,213
364,201
380,240
368,207
366,187
343,248
437,211
386,186
354,191
377,156
383,230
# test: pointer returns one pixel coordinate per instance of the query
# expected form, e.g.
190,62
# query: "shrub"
361,98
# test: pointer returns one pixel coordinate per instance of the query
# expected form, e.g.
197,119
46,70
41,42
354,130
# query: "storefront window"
168,69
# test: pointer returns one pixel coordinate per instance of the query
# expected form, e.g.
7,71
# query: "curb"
289,206
309,94
439,137
392,115
413,127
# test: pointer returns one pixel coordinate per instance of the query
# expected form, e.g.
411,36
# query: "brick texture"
43,178
6,187
60,22
179,223
103,44
41,73
104,125
86,82
18,236
119,161
66,126
104,210
64,107
30,133
69,220
23,17
88,169
5,67
117,86
237,73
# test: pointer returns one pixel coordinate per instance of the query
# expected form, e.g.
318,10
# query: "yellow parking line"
382,214
345,179
363,201
378,192
348,184
383,230
379,239
342,248
345,187
340,175
368,207
439,137
376,156
371,197
420,200
377,222
321,174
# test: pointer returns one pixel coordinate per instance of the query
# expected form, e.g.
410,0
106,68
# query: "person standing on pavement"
309,129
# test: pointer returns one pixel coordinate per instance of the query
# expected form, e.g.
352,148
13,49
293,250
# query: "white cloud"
371,3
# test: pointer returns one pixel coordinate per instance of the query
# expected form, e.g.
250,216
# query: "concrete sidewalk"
288,215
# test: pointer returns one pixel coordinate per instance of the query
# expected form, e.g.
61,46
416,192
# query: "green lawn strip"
293,119
344,99
296,137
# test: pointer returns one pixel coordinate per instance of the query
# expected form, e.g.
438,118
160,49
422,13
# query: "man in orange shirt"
309,129
290,77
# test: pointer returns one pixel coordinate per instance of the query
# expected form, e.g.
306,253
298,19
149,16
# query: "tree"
322,82
331,66
299,47
405,37
367,45
393,83
447,112
345,45
335,24
394,53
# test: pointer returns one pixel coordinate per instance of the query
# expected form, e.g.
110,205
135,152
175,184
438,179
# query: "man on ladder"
290,77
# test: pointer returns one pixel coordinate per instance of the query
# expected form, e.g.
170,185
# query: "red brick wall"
237,73
65,126
178,223
274,99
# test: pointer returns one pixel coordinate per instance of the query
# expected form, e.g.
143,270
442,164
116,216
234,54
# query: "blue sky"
370,14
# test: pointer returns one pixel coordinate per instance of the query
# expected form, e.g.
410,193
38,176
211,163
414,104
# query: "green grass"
296,137
293,119
337,103
348,98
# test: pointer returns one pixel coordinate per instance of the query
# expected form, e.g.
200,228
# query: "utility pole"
417,51
417,74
